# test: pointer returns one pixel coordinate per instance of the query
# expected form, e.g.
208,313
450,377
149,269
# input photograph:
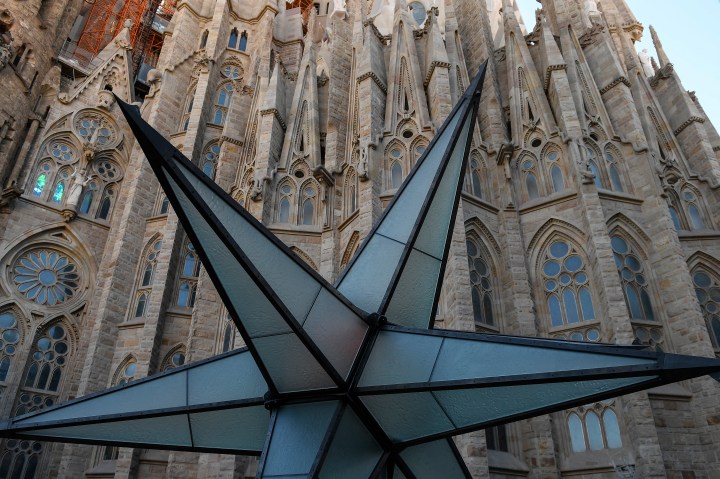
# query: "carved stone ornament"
106,99
5,55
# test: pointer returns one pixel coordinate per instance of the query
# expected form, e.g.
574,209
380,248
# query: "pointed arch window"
566,285
594,427
222,102
163,204
228,339
695,217
396,157
481,285
106,203
351,191
210,159
59,191
527,166
286,193
174,359
474,185
556,174
308,205
48,359
41,179
189,102
707,290
145,279
126,372
613,172
233,40
633,279
11,337
242,45
189,273
87,198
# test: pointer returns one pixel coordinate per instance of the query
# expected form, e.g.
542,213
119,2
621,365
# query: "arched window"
222,102
556,174
527,166
163,204
396,157
190,100
692,205
613,172
476,188
592,163
58,192
10,333
173,359
228,339
189,273
285,192
496,438
633,279
232,42
106,203
126,372
480,282
674,216
210,159
88,196
145,278
204,39
41,179
307,204
566,285
707,290
243,42
351,191
48,359
594,427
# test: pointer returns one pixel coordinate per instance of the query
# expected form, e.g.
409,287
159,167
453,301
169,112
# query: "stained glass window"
480,282
40,182
566,285
59,192
62,152
232,72
49,357
707,290
633,278
95,128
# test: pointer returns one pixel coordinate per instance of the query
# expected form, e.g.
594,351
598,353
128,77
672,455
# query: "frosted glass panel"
256,313
161,393
337,331
295,286
412,301
353,453
475,407
368,280
432,460
399,358
244,429
434,231
166,430
399,220
231,378
462,359
290,364
408,416
297,435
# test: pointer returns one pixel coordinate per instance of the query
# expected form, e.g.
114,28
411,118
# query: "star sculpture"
346,380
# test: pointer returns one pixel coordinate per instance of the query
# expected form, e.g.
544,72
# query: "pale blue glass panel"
290,364
256,313
164,392
612,429
468,359
412,302
577,434
230,378
295,286
570,305
367,281
399,358
475,407
242,429
409,415
165,430
337,331
398,221
592,424
557,178
433,234
615,178
353,453
433,460
298,432
695,217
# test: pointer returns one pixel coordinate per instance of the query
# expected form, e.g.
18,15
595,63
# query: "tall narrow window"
232,42
351,186
88,197
475,178
707,290
41,180
594,427
613,172
189,273
396,175
480,282
243,42
228,337
284,204
146,276
106,203
634,281
10,333
222,102
496,438
48,361
531,183
204,39
695,218
309,198
210,159
190,100
556,174
566,285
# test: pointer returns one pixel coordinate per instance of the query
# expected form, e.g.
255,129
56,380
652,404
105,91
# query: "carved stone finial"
106,99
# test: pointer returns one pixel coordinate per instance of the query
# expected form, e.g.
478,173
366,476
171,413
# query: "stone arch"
286,201
304,256
351,248
598,130
117,376
483,263
550,230
168,361
620,221
304,199
116,135
705,274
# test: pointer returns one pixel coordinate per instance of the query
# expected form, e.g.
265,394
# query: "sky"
690,36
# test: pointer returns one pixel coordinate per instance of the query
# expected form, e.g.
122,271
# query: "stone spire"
661,55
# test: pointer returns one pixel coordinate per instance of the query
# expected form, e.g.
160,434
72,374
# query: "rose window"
46,277
62,152
108,170
95,129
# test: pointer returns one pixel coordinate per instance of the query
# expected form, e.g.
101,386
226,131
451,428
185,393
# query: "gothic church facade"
589,211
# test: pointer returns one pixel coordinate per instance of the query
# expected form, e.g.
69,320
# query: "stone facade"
590,209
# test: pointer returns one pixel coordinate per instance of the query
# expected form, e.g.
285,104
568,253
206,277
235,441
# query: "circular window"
108,170
299,174
46,277
62,152
407,134
535,142
231,71
95,128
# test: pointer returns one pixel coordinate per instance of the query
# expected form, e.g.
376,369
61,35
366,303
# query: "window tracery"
189,273
48,359
567,286
210,159
95,129
222,103
145,278
10,338
707,291
633,279
308,204
286,193
46,276
228,337
481,285
187,109
175,358
476,171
